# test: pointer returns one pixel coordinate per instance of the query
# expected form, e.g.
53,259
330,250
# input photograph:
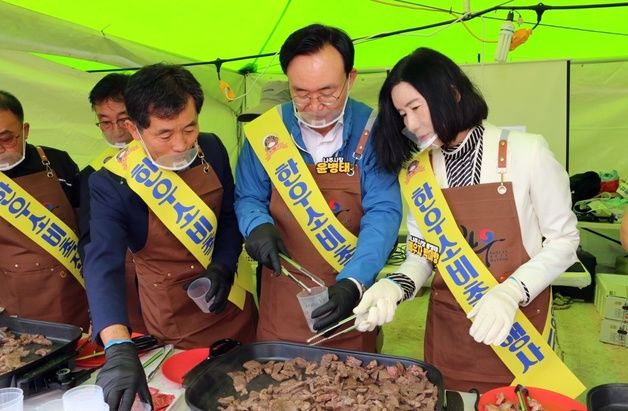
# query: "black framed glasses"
325,99
108,125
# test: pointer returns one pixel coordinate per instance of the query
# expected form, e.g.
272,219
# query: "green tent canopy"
204,31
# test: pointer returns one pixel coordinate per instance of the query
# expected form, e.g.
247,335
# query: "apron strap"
502,159
44,160
359,149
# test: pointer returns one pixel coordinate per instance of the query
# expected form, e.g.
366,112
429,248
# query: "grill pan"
608,397
63,337
209,381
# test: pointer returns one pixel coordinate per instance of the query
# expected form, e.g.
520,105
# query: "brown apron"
164,265
36,285
490,223
281,317
133,307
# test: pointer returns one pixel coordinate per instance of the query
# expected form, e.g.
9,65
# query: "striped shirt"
463,162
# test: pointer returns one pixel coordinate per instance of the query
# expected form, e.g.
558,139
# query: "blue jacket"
381,200
119,220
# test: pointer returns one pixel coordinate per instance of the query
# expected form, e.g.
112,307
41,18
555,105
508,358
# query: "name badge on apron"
333,165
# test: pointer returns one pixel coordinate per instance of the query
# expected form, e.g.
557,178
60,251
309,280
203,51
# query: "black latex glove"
264,245
222,280
122,377
343,297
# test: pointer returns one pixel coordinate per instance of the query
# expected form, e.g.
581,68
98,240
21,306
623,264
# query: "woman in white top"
523,231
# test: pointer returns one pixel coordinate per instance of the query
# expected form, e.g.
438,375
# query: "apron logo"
483,247
272,144
336,207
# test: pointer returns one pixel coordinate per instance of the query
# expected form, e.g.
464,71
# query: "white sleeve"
418,269
550,196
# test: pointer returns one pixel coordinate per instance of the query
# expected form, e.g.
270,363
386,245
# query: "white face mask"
8,160
421,143
175,161
322,118
116,145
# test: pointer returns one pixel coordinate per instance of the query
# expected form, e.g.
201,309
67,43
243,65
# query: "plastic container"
608,397
54,405
11,399
311,301
83,397
197,291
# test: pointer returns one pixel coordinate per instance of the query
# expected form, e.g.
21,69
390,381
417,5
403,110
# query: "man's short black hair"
110,87
312,38
161,90
8,102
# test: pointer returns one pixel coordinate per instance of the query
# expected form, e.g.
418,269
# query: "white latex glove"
494,314
378,305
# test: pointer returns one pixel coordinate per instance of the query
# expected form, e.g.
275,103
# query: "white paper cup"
11,399
83,397
311,301
197,291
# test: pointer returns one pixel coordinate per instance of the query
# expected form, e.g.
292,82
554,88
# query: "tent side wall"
55,101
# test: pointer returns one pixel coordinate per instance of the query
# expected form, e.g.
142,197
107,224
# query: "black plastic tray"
608,397
209,381
63,337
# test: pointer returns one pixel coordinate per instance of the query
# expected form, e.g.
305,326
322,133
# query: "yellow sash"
525,352
177,206
104,155
39,224
285,167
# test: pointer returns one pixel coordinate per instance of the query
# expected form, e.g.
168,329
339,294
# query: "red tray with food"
505,398
28,344
214,379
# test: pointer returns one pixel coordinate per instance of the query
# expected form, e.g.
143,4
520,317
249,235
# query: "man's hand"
221,279
378,305
343,296
494,314
264,245
122,377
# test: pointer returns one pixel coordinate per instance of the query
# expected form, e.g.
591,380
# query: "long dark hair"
455,104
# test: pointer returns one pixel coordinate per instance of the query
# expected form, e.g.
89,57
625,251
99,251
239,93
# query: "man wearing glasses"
107,101
40,268
308,187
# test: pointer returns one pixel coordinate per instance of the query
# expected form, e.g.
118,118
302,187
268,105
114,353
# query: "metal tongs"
303,271
321,283
319,340
522,396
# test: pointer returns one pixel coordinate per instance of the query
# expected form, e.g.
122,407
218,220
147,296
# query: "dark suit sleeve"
83,220
103,267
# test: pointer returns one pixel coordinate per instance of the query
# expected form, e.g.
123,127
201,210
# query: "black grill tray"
608,397
209,381
63,337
